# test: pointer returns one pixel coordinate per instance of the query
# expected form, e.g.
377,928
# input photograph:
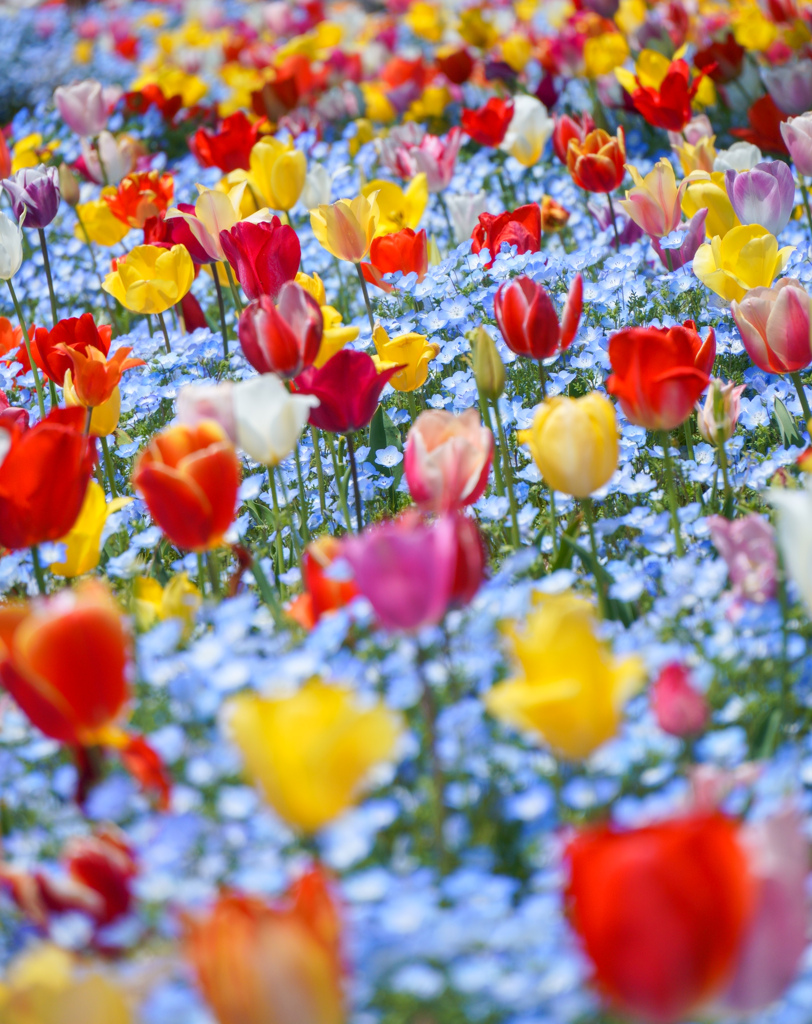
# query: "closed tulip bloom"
569,688
528,320
83,542
765,195
268,418
775,325
661,911
348,388
489,370
717,418
65,662
398,208
270,963
264,256
747,257
179,599
659,373
489,124
598,163
402,251
150,279
346,228
680,709
433,156
282,338
322,593
654,204
229,148
277,172
311,753
568,127
708,192
34,191
410,354
573,442
520,227
189,477
43,479
797,134
529,129
741,156
465,210
790,85
447,459
109,159
748,547
83,107
11,247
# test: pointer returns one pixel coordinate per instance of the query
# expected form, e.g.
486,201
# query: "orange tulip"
141,196
189,476
598,163
262,964
94,378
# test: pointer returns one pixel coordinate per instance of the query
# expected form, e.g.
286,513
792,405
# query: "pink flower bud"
679,708
718,416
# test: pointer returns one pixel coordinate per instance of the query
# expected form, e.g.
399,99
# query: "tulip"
659,373
318,187
411,571
597,163
774,324
742,156
213,214
748,547
797,134
398,208
489,370
260,963
84,539
268,418
283,339
34,191
708,191
764,128
109,159
229,148
655,202
75,334
456,64
795,536
97,223
692,237
528,321
264,256
139,197
668,103
573,442
447,460
68,185
93,378
408,153
717,418
520,227
603,53
311,752
348,388
189,478
790,85
11,247
346,228
410,354
489,124
680,709
277,172
529,129
747,257
722,60
570,127
13,419
150,279
43,479
698,156
335,335
765,195
83,107
570,689
402,251
661,911
464,211
322,594
179,599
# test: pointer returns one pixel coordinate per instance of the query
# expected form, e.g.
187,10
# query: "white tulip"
269,418
528,131
464,211
116,156
11,247
742,156
794,531
318,188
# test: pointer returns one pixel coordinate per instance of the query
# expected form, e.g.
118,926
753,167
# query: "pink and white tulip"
447,459
775,326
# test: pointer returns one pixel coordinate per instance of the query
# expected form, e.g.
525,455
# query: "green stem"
553,521
354,470
689,441
319,469
280,562
799,387
303,510
508,476
614,222
27,343
722,455
442,203
108,466
589,515
38,573
364,289
338,470
486,418
672,493
221,306
47,264
213,563
52,393
201,574
165,332
235,292
412,405
266,591
428,706
805,197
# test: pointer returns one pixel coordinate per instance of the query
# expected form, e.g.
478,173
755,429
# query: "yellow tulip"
173,81
570,689
751,29
346,228
573,442
83,543
707,191
30,151
425,20
516,51
179,599
314,285
83,51
412,351
150,279
631,15
698,157
335,334
104,418
398,208
377,106
311,752
476,31
277,172
747,257
365,132
44,986
604,53
432,103
96,219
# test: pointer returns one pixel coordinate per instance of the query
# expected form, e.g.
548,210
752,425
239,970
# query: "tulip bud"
717,418
679,708
489,370
68,185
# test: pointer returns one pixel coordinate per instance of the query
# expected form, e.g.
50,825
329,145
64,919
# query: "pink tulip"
775,326
448,459
718,416
790,85
198,402
411,570
407,154
748,547
775,940
83,107
680,709
797,134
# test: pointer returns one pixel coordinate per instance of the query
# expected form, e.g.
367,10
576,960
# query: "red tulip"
764,129
263,255
78,334
520,227
457,66
229,148
348,387
721,60
404,250
189,477
284,338
570,127
13,419
43,479
658,373
668,106
528,320
322,594
661,912
489,124
598,163
176,231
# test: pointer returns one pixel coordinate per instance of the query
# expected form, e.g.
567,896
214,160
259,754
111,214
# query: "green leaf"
617,611
787,427
382,434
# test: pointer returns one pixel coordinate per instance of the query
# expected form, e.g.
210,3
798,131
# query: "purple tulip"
765,195
748,547
790,85
35,192
692,237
